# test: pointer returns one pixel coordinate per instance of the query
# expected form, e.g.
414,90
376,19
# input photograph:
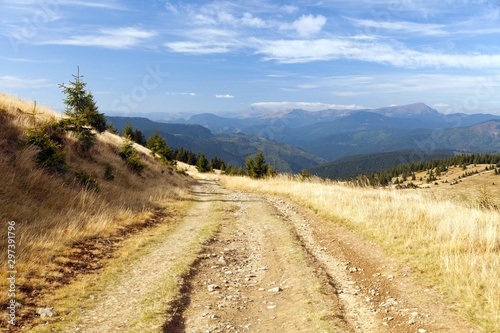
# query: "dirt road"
271,267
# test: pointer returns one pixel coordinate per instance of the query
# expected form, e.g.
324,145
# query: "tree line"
433,167
255,166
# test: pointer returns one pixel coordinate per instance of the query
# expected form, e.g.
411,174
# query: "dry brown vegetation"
451,244
52,211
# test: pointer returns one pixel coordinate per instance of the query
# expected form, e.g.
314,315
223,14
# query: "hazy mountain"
331,134
233,148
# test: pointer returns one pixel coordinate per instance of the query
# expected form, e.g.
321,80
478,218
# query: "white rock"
275,290
46,312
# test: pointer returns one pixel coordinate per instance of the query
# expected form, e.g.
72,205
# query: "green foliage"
135,135
256,167
111,128
158,146
50,154
109,172
87,181
202,163
305,174
81,107
131,158
82,112
139,138
383,178
216,163
128,131
233,170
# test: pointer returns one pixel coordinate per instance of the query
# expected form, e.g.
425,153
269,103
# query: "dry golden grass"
451,246
52,211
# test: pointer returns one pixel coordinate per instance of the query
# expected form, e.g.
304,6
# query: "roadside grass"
452,246
167,292
72,300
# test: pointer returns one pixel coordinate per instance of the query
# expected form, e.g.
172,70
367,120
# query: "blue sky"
220,56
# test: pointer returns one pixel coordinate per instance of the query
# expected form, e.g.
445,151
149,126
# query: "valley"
294,140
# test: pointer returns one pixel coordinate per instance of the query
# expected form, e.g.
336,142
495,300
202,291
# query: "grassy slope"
452,245
53,212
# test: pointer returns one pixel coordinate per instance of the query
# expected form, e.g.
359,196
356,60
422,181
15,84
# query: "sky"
182,57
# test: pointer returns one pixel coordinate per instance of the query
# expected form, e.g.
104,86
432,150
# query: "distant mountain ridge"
233,148
331,133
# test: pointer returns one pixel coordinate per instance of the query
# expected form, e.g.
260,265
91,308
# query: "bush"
109,172
50,153
88,182
129,155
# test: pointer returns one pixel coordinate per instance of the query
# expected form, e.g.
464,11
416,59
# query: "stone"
46,312
275,290
213,287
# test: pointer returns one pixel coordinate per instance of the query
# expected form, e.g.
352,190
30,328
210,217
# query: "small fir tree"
202,163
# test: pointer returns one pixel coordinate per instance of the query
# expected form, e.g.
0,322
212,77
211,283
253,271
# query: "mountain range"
296,139
232,148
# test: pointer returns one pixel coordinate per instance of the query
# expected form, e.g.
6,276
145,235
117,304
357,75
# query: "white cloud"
112,5
34,61
307,86
306,25
249,20
181,93
112,38
302,51
198,47
15,82
289,9
308,106
425,29
441,105
206,41
349,93
224,96
171,8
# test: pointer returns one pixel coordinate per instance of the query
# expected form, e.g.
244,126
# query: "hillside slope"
93,194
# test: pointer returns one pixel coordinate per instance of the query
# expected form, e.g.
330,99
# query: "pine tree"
256,167
158,146
139,138
128,131
202,163
81,107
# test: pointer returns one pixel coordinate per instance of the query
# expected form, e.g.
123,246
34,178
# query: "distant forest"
405,171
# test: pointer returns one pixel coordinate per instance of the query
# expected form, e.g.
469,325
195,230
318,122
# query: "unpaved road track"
272,267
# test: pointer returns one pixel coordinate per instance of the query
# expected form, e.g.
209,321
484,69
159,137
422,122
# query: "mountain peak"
415,109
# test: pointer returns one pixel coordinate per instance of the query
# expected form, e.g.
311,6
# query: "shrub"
50,153
109,172
129,155
88,182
